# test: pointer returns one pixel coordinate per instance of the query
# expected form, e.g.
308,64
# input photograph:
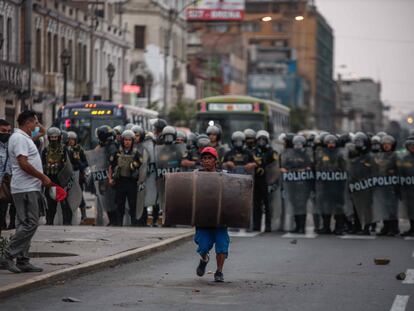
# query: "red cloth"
57,193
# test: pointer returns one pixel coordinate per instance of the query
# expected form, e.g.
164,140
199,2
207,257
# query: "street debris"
294,242
401,276
71,299
381,261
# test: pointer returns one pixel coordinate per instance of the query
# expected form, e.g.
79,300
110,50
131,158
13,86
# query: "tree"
182,114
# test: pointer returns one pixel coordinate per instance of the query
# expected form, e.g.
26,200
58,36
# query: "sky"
375,38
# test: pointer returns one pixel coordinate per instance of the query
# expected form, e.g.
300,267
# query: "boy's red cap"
210,150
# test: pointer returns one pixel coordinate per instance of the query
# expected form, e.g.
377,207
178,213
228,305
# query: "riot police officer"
123,175
192,157
238,159
118,134
375,144
263,155
385,199
79,163
297,180
158,126
330,169
181,138
406,171
139,133
105,137
250,139
54,157
214,134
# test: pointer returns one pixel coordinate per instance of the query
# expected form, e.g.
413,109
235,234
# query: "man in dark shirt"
238,159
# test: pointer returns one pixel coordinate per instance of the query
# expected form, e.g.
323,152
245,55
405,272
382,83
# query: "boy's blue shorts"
205,238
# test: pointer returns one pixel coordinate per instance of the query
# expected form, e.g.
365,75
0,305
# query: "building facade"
14,75
94,37
298,25
359,106
158,58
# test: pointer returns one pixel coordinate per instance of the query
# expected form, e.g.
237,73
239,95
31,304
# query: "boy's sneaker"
218,276
201,269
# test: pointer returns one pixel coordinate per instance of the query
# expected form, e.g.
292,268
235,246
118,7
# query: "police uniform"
192,155
79,163
125,167
263,156
239,157
54,158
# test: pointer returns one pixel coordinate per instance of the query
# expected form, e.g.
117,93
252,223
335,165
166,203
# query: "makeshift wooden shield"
208,199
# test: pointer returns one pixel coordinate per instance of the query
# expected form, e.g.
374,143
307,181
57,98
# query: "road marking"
308,235
409,277
358,237
400,303
243,234
409,238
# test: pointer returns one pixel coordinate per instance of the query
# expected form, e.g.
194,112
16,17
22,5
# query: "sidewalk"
66,251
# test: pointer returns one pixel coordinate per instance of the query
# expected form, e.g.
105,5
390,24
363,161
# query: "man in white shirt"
26,189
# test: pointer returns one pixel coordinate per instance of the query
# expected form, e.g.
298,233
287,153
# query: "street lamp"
266,19
66,57
111,72
299,18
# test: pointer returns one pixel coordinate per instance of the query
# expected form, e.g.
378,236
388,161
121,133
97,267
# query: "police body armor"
406,171
385,199
192,155
240,159
124,165
359,172
330,182
55,160
298,181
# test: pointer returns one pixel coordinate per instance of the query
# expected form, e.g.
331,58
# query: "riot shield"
98,166
66,174
208,199
359,173
142,177
406,171
330,182
297,181
150,182
272,175
385,186
167,160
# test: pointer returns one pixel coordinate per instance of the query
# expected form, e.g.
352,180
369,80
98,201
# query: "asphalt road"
265,272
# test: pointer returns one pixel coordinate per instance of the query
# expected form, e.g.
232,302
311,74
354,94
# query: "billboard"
216,10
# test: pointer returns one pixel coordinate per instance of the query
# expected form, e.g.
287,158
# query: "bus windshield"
85,128
231,123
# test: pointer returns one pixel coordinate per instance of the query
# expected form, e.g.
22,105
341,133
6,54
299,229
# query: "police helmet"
249,133
128,134
118,129
104,133
191,139
214,130
282,138
182,136
262,138
343,139
72,135
375,140
64,137
159,124
137,129
330,139
289,140
299,142
409,141
54,132
388,139
238,139
203,141
361,141
169,134
129,126
381,134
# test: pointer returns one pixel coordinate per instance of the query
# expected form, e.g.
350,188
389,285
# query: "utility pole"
27,50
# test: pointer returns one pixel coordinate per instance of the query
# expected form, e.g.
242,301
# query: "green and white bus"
237,113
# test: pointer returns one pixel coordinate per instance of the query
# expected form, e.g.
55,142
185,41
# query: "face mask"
4,137
262,142
298,146
238,144
36,131
168,139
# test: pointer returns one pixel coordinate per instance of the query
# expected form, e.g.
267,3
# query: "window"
70,68
78,71
62,48
9,39
49,52
139,37
84,66
251,27
55,53
2,32
38,63
278,27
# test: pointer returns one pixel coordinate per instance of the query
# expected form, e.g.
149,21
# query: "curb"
91,266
